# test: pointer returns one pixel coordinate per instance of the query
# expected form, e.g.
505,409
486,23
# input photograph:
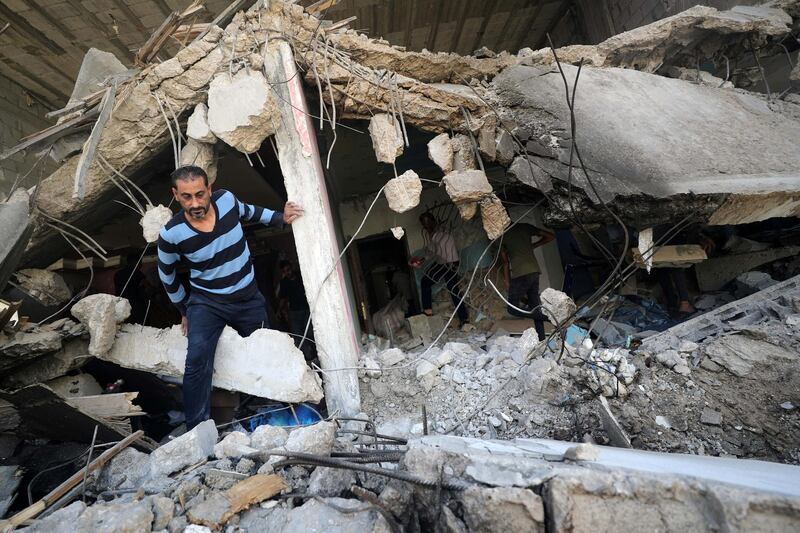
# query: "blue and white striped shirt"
219,260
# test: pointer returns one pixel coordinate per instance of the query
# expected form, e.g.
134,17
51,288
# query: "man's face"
428,223
194,197
286,271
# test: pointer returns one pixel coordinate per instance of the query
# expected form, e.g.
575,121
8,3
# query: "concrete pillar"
314,235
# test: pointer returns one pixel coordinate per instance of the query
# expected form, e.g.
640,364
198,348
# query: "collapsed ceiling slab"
639,133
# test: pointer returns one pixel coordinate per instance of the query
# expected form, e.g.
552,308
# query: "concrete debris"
188,449
235,444
426,373
557,306
467,186
46,286
153,220
398,232
20,347
280,374
268,437
752,282
440,151
387,137
331,482
710,417
200,154
241,109
494,216
582,452
503,509
677,40
739,354
463,153
197,127
101,314
96,67
317,439
698,76
403,192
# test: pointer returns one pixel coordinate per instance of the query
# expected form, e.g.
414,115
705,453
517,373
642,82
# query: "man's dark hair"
283,264
186,173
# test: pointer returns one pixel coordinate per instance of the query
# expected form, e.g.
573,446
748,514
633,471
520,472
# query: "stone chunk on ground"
266,437
189,448
101,313
331,482
235,444
317,439
280,373
47,287
402,192
387,137
503,509
241,110
153,220
557,306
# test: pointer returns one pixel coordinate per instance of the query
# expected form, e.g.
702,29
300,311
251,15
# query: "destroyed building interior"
546,276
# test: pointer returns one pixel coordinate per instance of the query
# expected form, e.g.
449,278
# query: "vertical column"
314,234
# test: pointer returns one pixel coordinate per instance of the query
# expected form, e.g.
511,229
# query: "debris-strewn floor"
733,394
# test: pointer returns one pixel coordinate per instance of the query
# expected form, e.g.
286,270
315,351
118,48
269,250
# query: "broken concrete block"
557,306
426,373
331,482
95,68
232,445
167,69
740,353
163,509
21,347
279,372
494,216
201,155
402,193
46,286
73,354
582,452
463,153
467,186
387,137
710,417
61,521
131,517
425,327
504,148
128,469
317,439
391,357
190,448
197,125
153,220
242,110
371,367
101,313
440,151
266,437
503,509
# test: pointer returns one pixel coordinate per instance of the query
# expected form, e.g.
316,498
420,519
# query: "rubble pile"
338,477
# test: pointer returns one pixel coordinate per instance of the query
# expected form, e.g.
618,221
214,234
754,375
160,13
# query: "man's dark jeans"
527,288
207,318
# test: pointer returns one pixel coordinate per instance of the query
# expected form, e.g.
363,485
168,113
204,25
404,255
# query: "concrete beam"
315,236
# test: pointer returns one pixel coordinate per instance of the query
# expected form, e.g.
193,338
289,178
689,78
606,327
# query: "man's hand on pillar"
185,326
291,212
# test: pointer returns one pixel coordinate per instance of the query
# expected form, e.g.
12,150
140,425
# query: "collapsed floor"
722,384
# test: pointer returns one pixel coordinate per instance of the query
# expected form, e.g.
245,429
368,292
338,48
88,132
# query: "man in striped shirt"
207,236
